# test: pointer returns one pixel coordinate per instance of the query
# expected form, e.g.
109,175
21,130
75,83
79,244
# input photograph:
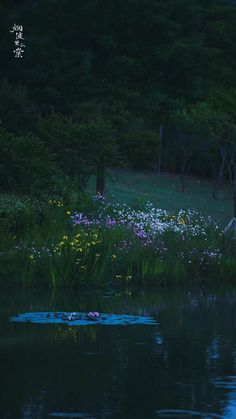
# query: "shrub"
26,165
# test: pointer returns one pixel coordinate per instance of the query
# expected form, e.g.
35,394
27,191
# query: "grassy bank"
164,192
91,241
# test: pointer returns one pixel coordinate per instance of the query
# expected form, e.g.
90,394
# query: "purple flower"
93,315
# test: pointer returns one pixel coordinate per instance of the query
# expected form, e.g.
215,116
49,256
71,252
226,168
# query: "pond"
183,365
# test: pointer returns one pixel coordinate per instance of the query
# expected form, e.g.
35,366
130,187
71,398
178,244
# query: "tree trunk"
219,181
100,180
183,183
160,150
183,176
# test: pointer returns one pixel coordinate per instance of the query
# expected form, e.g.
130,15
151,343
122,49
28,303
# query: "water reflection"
185,414
185,366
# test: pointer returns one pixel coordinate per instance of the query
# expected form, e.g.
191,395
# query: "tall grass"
56,246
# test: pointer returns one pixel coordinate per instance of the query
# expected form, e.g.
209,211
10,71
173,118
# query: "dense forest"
150,83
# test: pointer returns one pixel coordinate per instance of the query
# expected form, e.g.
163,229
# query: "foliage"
17,112
99,138
63,138
140,148
27,166
121,62
14,210
79,147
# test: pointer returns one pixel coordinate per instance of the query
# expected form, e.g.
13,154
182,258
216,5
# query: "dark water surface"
182,367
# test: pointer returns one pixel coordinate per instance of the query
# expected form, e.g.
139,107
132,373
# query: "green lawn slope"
165,192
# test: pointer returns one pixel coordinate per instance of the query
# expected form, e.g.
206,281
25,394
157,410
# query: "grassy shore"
145,230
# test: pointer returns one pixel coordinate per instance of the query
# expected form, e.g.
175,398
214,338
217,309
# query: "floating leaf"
103,319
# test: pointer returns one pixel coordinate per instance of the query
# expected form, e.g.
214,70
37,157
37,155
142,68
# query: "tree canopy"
128,64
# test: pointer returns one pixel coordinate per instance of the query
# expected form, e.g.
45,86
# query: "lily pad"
81,319
70,415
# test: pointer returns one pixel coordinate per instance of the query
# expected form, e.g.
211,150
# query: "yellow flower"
65,237
68,212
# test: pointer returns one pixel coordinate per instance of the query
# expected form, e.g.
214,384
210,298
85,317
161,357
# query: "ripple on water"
179,414
70,415
227,382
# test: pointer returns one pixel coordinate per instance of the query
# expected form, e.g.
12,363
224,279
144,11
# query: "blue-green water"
184,366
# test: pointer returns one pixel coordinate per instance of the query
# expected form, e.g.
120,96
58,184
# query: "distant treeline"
141,83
